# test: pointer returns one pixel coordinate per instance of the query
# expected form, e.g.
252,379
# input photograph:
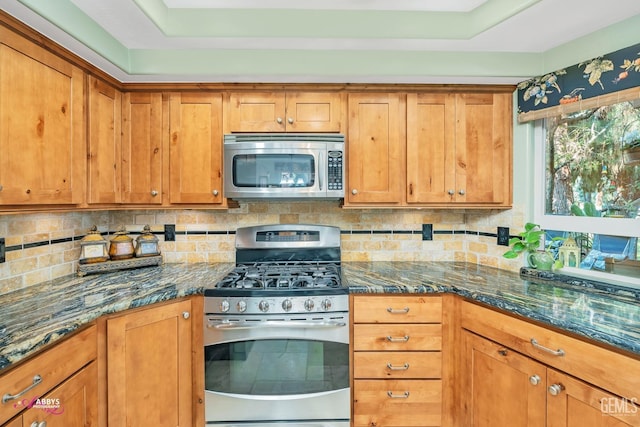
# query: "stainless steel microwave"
284,165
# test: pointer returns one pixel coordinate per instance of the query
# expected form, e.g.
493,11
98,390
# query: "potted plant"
529,242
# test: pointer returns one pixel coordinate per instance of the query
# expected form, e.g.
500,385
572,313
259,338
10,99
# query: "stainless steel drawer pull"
398,368
404,395
401,311
7,397
396,339
558,352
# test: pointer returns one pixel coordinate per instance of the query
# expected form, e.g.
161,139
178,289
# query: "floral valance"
564,90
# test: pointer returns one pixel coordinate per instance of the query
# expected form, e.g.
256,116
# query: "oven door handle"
323,324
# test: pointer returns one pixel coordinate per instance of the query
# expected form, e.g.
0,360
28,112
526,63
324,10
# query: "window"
587,182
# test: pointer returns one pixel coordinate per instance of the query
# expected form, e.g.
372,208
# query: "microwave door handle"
323,168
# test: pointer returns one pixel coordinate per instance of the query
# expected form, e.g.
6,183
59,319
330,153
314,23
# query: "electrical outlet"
503,236
427,231
169,232
2,250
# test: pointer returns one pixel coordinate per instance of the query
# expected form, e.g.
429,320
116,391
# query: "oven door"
280,372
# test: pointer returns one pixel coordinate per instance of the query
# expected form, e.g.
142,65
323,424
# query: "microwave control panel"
335,170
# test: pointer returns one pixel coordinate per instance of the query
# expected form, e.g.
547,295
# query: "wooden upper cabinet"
483,148
104,169
431,141
42,146
195,170
375,149
284,112
459,148
142,148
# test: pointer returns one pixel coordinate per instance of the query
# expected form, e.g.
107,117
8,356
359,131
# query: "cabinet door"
105,109
431,141
195,171
578,404
257,112
142,148
42,146
483,149
74,403
501,387
375,149
313,112
149,378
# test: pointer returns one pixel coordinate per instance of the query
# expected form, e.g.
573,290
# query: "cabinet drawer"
389,364
397,309
398,337
53,366
384,403
604,368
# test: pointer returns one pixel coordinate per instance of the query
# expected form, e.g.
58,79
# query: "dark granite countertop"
39,315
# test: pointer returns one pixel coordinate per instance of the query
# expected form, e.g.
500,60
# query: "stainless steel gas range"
277,331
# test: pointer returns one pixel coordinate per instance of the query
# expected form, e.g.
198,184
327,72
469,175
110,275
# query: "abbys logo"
49,405
619,406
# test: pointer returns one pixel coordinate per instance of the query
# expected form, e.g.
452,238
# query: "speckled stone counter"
39,315
32,318
600,312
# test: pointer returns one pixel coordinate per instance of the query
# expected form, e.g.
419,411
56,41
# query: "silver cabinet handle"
451,192
7,397
215,192
154,193
461,192
290,120
186,314
354,191
279,120
404,395
555,389
398,368
401,311
534,379
559,352
396,339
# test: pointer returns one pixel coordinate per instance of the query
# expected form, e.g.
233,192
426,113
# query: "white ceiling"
417,41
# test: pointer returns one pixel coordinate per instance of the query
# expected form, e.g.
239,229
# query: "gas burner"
282,275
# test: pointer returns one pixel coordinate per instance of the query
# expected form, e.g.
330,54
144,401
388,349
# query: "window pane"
592,162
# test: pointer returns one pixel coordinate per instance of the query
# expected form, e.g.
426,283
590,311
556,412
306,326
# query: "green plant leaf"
510,254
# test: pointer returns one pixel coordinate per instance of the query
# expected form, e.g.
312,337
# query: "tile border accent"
233,232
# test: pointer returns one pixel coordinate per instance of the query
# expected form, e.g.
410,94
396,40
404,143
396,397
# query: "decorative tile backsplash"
44,246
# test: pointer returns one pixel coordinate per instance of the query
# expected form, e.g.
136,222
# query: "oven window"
277,367
274,170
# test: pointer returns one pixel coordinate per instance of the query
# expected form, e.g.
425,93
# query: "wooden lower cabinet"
581,404
67,389
397,361
151,378
500,386
410,402
78,403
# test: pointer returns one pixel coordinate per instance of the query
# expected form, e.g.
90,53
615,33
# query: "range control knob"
286,305
224,306
308,305
241,306
263,306
326,304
